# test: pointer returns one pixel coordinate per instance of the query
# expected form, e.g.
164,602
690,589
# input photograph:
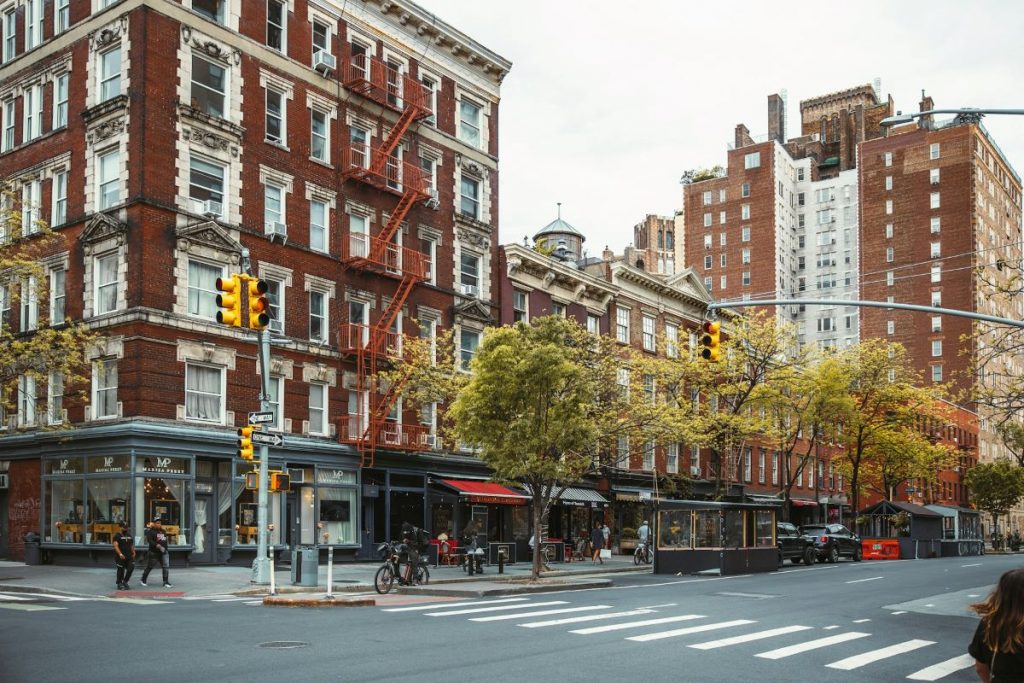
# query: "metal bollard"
501,561
330,572
469,562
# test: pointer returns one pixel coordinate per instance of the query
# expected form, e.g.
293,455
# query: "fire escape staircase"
375,346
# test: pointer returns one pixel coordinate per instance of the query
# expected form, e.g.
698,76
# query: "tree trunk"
538,518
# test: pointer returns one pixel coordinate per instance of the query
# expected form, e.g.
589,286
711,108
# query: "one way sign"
267,439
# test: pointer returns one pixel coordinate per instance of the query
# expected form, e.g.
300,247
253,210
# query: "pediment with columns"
210,235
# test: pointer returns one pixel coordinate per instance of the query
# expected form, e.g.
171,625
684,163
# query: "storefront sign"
162,465
61,466
335,476
106,464
496,500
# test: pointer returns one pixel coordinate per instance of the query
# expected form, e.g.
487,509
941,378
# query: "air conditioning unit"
212,209
469,290
298,476
695,470
277,230
324,62
433,202
5,481
430,441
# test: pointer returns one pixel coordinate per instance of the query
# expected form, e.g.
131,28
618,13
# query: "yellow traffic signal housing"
259,305
245,442
230,300
252,481
710,341
279,481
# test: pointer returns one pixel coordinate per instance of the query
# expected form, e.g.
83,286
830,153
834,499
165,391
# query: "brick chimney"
926,104
776,118
742,138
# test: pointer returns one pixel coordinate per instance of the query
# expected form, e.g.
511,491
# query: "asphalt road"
872,621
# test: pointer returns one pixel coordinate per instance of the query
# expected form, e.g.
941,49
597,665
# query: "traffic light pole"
261,565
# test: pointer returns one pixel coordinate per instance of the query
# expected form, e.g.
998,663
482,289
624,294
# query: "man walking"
124,551
597,542
157,539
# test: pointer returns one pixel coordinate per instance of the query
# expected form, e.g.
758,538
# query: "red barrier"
881,549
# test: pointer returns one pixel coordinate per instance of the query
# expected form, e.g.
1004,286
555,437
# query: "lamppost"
963,115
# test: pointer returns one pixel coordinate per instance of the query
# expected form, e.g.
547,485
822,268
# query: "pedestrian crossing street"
669,621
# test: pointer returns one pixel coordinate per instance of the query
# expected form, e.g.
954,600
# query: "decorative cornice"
101,227
209,47
208,234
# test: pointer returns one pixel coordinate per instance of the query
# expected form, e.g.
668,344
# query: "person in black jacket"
157,539
998,644
124,556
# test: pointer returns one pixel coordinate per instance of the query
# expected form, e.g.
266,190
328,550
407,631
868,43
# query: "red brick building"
351,149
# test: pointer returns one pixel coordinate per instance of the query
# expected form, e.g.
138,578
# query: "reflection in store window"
167,499
65,513
732,531
337,507
707,531
674,529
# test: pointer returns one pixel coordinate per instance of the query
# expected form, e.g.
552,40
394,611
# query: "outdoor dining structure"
714,537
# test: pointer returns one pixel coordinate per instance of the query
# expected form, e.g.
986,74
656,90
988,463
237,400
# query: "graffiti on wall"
23,505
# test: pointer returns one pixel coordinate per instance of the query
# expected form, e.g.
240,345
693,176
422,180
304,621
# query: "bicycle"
643,553
390,571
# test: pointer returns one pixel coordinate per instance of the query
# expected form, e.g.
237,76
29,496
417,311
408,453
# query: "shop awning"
486,492
579,496
764,500
629,494
803,503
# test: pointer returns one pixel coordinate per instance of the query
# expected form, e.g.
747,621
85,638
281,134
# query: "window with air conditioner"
469,274
206,186
275,299
322,46
273,209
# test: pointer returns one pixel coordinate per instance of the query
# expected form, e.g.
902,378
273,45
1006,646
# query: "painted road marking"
541,613
207,597
900,612
811,645
236,599
829,628
978,564
22,607
759,635
65,598
635,624
942,669
589,617
8,596
691,629
435,605
860,660
476,610
861,621
873,578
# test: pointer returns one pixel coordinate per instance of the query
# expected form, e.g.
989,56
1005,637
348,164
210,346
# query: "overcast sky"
608,102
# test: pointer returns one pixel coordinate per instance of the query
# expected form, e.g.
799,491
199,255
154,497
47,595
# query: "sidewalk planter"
724,538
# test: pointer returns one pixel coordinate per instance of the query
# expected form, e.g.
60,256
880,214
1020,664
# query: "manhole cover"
284,644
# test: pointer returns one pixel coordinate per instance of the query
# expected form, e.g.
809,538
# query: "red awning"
800,503
486,492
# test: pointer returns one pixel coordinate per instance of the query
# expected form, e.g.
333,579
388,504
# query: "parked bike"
643,553
390,572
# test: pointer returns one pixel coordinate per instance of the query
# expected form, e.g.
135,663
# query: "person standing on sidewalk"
606,535
157,539
597,543
124,551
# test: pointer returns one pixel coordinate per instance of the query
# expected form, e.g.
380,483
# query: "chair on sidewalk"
447,553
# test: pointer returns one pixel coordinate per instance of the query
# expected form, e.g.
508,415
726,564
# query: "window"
104,388
60,101
746,278
746,464
430,87
933,151
672,458
32,101
622,325
889,254
936,298
31,196
745,190
648,460
519,309
752,160
106,282
760,466
469,340
318,408
888,207
934,201
469,274
648,333
5,308
8,133
721,282
888,231
206,186
707,220
318,136
707,241
593,324
275,386
275,117
470,193
745,212
273,207
775,468
275,300
721,239
209,87
318,225
110,74
203,390
936,323
317,316
936,249
706,198
558,309
211,9
937,372
745,256
33,23
888,182
890,278
933,176
936,224
55,398
202,289
936,348
321,38
276,15
29,305
722,260
469,122
672,340
358,229
745,234
937,273
707,283
26,400
887,159
109,179
721,196
57,295
10,33
721,217
890,327
622,381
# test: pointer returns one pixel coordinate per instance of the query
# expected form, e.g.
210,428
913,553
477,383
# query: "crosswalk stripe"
759,635
137,601
661,635
235,599
541,613
208,597
589,617
22,607
476,610
811,645
8,596
636,624
48,596
942,669
435,605
255,602
857,661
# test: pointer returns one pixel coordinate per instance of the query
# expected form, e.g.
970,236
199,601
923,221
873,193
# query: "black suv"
792,545
832,541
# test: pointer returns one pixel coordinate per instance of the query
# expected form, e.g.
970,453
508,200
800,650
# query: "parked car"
832,541
793,545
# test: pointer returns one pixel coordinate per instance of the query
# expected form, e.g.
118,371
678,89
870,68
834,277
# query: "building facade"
350,151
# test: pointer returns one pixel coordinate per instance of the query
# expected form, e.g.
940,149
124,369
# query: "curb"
279,601
515,589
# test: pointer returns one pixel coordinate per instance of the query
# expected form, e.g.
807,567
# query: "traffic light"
279,481
252,481
710,341
230,300
245,442
259,306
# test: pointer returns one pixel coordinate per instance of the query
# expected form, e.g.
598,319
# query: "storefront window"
164,492
763,528
441,519
521,523
337,514
732,531
674,529
65,513
707,529
228,490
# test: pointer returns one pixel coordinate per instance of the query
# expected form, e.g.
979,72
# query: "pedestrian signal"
279,481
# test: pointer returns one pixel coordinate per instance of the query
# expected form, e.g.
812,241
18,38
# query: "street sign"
261,418
267,439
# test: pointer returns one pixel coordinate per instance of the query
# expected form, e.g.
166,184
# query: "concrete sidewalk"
231,580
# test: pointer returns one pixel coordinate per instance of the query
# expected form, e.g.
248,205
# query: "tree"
30,357
901,454
996,487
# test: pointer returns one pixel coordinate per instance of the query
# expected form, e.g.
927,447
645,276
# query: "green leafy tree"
996,487
47,350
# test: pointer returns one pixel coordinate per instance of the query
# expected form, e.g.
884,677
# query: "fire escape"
376,345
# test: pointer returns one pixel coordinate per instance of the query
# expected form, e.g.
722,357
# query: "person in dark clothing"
412,542
124,556
157,539
597,542
998,644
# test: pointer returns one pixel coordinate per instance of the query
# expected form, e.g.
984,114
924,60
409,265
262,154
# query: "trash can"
305,566
33,553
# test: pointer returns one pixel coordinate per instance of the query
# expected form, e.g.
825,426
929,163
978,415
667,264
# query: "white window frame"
34,16
29,317
271,215
936,299
890,327
190,367
468,131
745,212
648,457
887,159
31,200
196,203
8,141
672,458
325,137
60,100
322,315
936,275
108,85
936,323
430,83
934,151
745,233
752,160
282,27
622,332
648,335
936,348
58,295
935,249
32,106
59,198
200,293
275,399
323,229
10,29
276,302
936,372
935,200
105,362
55,398
61,16
671,340
935,224
103,182
468,201
281,116
207,88
99,287
321,409
26,401
464,350
775,468
520,305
